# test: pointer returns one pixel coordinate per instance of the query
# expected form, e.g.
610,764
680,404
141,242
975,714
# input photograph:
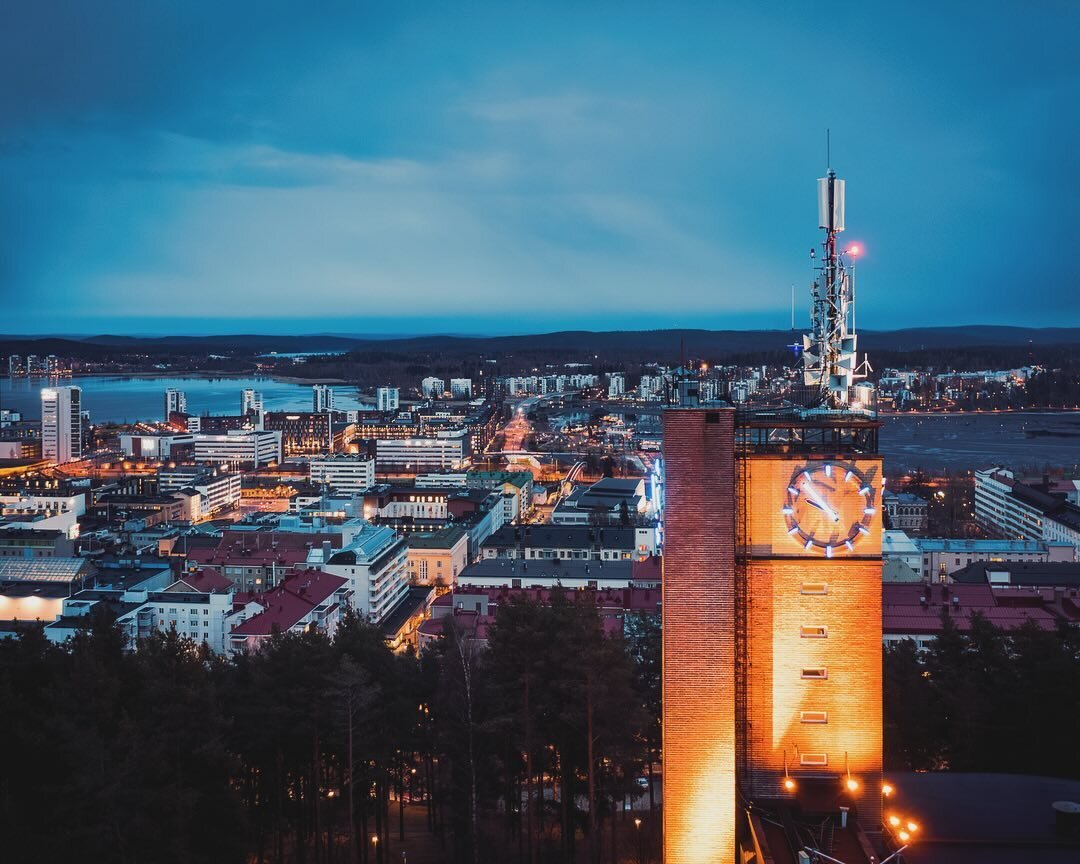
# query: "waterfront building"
387,399
61,424
616,385
251,402
1009,508
322,398
175,402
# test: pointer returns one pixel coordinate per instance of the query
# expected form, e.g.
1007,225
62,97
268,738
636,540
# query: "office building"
387,399
322,398
307,433
61,424
239,448
461,388
448,452
342,473
175,402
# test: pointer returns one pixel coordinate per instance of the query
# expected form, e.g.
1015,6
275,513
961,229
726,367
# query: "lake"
129,399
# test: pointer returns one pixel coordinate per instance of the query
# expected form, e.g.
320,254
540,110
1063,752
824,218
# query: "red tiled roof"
290,602
208,581
904,612
262,548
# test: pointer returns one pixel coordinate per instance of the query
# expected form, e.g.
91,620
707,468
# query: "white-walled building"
322,398
153,445
175,402
616,384
387,398
61,424
376,565
239,447
433,388
448,452
461,388
1015,510
342,473
218,489
251,402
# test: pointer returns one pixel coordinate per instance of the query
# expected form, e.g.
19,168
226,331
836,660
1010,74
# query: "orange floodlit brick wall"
699,740
814,634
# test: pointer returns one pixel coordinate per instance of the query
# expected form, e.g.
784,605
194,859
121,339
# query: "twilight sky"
491,168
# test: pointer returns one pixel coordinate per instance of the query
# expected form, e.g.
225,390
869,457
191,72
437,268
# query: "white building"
322,398
651,387
152,445
616,384
448,452
251,402
461,388
218,489
376,565
342,473
239,447
433,388
386,398
61,424
1009,508
175,402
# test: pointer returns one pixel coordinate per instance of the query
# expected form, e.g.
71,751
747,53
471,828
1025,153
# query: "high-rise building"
175,402
322,398
14,365
616,384
433,388
387,398
250,401
61,424
461,388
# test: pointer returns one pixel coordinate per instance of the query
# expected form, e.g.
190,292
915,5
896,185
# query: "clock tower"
772,647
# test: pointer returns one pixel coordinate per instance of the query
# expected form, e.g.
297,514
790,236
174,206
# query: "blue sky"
511,167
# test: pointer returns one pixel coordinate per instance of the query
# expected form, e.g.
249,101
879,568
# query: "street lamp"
640,847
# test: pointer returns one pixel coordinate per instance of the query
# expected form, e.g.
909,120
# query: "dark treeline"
985,700
313,750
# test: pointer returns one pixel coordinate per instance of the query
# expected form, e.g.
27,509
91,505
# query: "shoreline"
209,375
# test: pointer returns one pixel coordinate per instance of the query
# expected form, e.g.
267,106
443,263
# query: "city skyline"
648,170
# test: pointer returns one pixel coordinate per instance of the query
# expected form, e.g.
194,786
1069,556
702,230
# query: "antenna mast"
829,350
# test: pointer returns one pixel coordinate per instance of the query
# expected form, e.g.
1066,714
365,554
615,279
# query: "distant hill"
659,343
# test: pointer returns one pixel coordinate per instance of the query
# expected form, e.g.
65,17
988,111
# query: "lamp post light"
640,846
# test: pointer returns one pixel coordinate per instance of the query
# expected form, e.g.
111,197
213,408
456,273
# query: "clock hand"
817,502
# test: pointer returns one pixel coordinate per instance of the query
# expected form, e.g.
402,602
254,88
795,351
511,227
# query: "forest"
526,748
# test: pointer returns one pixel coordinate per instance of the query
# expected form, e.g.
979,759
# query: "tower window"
813,760
813,716
814,631
817,673
814,588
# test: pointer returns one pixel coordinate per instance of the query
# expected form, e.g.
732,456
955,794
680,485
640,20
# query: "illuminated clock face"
829,507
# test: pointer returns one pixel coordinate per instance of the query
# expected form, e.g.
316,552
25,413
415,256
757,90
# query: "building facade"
61,424
387,399
342,473
250,449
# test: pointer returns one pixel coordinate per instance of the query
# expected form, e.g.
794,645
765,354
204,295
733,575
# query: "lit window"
814,631
813,760
813,716
815,588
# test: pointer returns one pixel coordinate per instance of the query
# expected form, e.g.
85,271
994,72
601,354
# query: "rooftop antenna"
829,351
